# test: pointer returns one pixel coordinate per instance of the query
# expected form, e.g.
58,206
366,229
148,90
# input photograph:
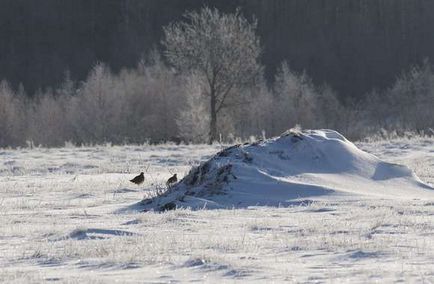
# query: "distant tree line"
353,45
211,87
152,103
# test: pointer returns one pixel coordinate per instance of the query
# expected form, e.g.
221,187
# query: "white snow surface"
313,165
70,215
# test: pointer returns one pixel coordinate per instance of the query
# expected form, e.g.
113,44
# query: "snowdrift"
295,167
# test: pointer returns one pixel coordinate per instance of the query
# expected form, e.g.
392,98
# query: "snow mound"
298,166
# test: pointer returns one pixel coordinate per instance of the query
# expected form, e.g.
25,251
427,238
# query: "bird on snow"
173,179
138,179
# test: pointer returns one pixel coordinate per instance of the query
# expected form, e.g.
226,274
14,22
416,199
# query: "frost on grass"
66,227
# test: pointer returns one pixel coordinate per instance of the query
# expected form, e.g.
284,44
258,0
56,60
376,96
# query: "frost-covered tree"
407,105
295,100
98,107
11,117
192,122
253,117
153,95
329,110
47,123
221,49
412,98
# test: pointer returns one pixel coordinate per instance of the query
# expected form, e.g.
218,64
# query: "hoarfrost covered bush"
130,107
11,117
296,100
154,103
408,104
251,113
47,124
193,120
134,106
157,106
98,107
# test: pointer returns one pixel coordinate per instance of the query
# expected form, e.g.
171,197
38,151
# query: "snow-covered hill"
312,165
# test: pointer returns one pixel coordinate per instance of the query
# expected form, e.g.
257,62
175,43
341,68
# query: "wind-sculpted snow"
70,215
313,164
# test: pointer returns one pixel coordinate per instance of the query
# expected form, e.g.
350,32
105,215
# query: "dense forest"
353,45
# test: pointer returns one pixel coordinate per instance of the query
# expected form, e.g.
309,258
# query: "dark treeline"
152,103
353,45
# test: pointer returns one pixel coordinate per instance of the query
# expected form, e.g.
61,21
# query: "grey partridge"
173,179
138,179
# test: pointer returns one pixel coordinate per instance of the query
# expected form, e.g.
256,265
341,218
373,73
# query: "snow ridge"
294,167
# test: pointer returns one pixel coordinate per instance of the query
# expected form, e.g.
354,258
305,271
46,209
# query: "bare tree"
221,49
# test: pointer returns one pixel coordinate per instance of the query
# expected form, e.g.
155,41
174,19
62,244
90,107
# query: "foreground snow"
69,215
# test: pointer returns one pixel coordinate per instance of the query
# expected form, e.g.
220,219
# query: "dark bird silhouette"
138,179
173,179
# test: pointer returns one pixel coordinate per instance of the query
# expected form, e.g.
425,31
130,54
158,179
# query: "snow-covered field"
68,215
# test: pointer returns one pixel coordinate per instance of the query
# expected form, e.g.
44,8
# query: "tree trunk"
213,119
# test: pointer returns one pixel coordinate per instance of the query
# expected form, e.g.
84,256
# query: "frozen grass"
63,220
